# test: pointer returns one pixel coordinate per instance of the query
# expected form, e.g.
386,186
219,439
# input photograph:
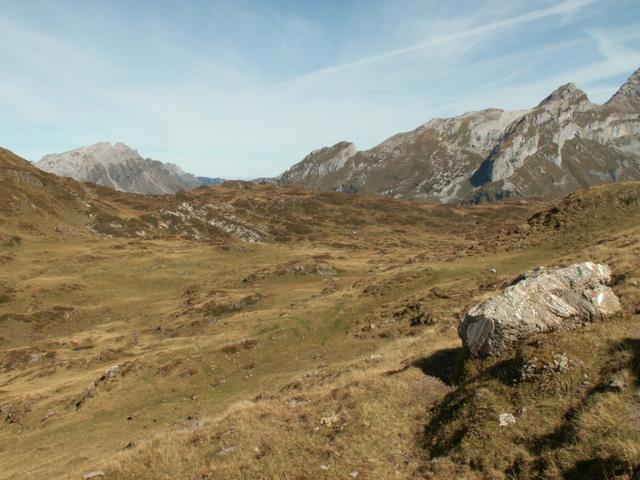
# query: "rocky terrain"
210,181
563,144
262,331
120,167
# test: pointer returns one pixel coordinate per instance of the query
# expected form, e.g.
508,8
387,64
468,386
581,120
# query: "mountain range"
563,144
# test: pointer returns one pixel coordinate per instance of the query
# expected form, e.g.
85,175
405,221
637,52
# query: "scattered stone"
49,415
296,402
535,368
94,474
506,419
86,394
617,384
539,301
324,467
330,420
415,313
7,412
106,377
354,474
226,451
34,358
112,372
528,370
193,422
560,362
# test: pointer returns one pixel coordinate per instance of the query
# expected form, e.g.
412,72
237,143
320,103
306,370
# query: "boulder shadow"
445,364
597,468
633,346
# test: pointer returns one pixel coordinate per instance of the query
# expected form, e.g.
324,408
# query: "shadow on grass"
597,469
438,439
633,346
443,364
566,434
452,418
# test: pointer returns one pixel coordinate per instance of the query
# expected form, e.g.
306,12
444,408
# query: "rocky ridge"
563,144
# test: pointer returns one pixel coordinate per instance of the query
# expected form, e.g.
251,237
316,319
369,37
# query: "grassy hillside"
251,331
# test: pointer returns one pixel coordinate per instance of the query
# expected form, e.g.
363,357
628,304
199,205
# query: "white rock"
94,474
539,302
506,419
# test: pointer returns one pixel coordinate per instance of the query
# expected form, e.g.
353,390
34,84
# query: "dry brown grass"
320,376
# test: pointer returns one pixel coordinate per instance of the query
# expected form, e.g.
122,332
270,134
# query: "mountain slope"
35,201
210,181
119,167
563,144
161,342
37,204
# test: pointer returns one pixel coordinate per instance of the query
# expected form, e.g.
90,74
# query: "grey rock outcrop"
628,92
319,163
539,301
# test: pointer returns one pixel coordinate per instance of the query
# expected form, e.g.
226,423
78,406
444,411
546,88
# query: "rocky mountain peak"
105,153
565,95
319,163
630,89
338,147
118,166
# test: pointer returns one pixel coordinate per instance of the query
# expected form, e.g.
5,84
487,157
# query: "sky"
247,88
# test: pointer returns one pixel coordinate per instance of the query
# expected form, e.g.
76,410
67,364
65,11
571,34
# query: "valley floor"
168,358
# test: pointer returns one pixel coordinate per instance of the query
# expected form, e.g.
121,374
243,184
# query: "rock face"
563,144
539,301
120,167
318,164
629,93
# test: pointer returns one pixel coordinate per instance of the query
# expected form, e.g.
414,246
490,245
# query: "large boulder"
539,301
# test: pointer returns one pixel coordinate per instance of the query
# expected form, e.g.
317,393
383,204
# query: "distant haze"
244,89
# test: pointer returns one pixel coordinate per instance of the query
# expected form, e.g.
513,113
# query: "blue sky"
246,88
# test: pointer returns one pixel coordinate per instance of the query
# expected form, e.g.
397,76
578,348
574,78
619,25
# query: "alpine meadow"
199,299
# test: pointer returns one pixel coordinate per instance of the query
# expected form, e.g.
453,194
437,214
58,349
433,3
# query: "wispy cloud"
565,7
241,88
